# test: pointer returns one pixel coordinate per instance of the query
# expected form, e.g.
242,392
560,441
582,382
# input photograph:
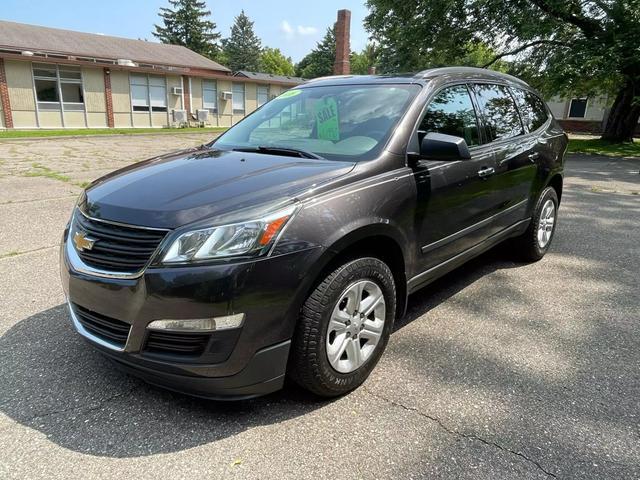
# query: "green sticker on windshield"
326,113
290,93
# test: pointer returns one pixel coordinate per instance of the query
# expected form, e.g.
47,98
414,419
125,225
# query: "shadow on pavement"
576,408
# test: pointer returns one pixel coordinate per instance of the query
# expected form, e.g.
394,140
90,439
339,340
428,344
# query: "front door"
456,199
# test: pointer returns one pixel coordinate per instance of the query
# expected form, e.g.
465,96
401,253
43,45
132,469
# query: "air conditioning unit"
176,90
180,116
125,62
226,95
203,115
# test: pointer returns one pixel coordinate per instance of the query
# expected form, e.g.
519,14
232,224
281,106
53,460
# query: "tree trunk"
623,117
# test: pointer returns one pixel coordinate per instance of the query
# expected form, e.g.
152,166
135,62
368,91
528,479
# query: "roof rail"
329,77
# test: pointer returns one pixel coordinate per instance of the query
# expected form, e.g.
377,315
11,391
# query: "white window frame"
150,108
72,106
586,107
207,88
266,99
238,111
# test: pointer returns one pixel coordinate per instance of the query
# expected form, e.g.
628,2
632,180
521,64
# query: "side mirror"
438,146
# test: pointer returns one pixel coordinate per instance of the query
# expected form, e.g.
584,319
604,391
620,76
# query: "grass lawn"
103,131
601,147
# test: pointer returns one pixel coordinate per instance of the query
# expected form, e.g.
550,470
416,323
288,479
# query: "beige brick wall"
196,94
94,98
20,85
174,101
120,92
49,119
224,107
250,98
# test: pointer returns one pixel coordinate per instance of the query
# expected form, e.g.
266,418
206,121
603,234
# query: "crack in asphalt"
83,408
456,433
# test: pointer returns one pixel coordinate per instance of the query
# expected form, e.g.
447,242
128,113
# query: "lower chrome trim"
471,228
88,335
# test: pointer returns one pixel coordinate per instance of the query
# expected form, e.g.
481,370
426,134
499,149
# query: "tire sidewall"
548,193
366,268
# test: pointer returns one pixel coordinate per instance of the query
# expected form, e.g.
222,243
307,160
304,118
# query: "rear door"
455,198
513,149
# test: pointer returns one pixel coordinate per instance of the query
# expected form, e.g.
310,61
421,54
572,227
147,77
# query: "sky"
293,26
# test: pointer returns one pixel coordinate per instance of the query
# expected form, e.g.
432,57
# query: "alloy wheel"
356,326
546,222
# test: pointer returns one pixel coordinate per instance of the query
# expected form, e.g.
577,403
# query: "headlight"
246,238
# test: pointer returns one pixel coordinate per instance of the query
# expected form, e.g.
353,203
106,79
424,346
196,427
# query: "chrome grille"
117,248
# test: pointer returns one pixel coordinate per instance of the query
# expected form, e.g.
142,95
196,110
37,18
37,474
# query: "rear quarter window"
532,110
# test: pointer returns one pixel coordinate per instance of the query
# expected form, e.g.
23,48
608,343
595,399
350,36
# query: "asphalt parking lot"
499,370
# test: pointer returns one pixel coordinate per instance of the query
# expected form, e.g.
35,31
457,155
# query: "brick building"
52,78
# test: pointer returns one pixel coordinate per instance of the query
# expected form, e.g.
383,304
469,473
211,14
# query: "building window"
210,95
263,94
238,98
578,108
55,82
148,92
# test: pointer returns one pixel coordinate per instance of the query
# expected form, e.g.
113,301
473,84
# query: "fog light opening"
199,324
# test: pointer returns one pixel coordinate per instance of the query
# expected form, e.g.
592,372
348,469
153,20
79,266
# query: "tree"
581,47
273,61
319,62
361,62
188,24
243,48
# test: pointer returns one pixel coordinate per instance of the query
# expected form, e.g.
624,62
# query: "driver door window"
451,112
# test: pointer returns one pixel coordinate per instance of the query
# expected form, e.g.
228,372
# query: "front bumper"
247,361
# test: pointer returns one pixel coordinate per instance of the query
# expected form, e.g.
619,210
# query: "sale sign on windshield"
327,123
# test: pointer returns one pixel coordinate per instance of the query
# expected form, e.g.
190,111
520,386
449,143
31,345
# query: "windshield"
335,122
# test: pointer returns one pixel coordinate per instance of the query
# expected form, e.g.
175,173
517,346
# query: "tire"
529,246
316,335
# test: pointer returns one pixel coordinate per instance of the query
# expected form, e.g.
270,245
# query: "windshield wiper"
292,152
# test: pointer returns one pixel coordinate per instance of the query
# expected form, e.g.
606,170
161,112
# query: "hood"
188,186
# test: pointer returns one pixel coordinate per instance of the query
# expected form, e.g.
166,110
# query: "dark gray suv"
288,246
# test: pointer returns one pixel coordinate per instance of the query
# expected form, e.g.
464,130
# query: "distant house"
51,78
582,114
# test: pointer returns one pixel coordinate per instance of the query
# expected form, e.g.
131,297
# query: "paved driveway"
499,370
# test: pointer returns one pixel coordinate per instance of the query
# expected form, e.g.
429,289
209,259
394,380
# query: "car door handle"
486,171
534,156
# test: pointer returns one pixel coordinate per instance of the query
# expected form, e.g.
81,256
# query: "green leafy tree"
362,61
188,24
319,62
562,46
243,48
273,61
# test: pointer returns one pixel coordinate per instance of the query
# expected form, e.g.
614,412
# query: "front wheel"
344,327
534,243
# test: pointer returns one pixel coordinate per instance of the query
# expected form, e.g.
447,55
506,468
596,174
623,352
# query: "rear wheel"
534,243
344,327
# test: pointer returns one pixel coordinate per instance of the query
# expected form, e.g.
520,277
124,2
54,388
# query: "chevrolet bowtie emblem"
82,242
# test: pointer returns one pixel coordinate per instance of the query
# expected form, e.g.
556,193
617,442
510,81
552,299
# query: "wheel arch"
379,241
556,183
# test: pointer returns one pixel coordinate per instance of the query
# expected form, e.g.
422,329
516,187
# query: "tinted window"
532,109
499,111
451,112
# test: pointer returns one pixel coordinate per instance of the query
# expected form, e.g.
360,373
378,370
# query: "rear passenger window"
532,109
499,111
451,112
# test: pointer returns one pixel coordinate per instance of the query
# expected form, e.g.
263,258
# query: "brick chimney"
343,49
